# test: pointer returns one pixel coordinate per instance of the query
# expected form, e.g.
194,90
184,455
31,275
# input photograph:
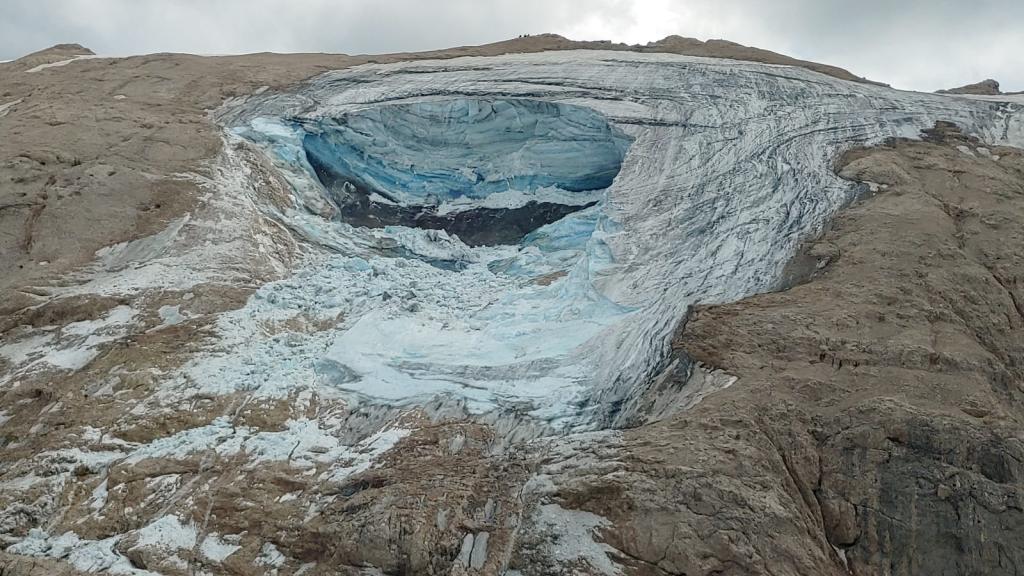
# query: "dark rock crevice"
475,227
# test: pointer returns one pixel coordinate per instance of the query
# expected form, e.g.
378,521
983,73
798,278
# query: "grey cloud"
918,44
915,44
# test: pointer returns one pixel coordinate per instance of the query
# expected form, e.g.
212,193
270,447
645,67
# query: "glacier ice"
433,151
690,180
487,170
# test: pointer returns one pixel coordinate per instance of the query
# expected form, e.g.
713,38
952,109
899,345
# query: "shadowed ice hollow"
488,171
467,149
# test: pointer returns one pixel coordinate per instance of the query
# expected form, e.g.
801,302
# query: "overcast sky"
913,44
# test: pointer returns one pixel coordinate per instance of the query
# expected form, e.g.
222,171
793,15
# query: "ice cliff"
468,148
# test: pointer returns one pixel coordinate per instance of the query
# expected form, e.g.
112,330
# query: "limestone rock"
984,88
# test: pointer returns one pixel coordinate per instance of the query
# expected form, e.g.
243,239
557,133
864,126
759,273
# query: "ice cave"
488,171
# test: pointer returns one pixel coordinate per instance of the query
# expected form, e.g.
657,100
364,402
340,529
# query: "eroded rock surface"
984,88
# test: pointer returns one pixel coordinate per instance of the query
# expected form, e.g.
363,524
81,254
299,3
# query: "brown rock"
984,88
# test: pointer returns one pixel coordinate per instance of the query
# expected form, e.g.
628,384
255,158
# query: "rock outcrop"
984,88
726,49
49,56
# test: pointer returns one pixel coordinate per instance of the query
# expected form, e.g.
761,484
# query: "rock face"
984,88
722,358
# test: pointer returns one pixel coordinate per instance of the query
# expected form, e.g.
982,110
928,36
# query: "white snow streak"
61,63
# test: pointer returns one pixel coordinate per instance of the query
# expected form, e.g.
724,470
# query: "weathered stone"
479,556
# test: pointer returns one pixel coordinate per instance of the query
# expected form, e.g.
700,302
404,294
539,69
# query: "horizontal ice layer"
729,169
426,153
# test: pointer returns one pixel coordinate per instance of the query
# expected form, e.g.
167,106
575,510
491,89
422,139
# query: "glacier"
644,183
450,149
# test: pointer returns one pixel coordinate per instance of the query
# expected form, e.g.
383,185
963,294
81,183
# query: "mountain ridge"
203,367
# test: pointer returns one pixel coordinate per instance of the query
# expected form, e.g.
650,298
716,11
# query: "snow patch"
574,538
5,109
61,63
70,347
518,198
270,556
167,532
22,350
214,548
304,444
966,150
92,556
170,534
99,497
171,315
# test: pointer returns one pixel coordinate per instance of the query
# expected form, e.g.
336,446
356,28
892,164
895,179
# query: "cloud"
915,44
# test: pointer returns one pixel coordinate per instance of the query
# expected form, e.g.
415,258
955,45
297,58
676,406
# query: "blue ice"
431,151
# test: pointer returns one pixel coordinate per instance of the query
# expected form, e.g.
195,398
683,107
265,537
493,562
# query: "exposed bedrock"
474,227
984,88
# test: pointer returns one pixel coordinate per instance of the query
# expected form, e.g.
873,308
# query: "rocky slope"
984,88
225,350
